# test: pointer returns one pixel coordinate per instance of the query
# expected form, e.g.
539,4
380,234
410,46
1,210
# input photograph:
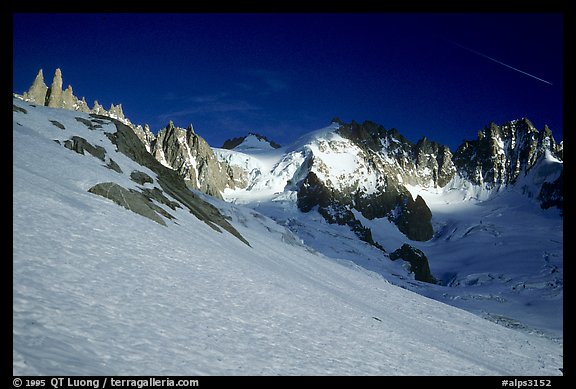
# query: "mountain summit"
250,141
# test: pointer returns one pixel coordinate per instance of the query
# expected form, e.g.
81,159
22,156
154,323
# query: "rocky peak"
98,109
181,150
116,111
38,90
366,135
68,98
55,93
235,142
435,158
83,106
425,163
371,182
55,97
501,153
145,135
191,156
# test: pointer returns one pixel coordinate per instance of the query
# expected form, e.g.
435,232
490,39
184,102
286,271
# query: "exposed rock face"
435,159
192,157
68,99
132,200
169,180
425,163
552,193
145,135
79,145
418,262
141,177
37,92
332,205
415,219
502,153
55,98
372,181
116,112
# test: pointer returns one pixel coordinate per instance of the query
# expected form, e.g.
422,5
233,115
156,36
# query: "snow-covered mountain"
495,246
343,214
250,142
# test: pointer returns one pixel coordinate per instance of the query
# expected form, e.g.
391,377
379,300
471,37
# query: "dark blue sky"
282,75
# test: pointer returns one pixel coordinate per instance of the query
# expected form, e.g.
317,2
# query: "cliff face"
191,156
425,163
501,153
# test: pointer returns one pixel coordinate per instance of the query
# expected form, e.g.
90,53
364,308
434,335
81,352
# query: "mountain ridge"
346,168
235,142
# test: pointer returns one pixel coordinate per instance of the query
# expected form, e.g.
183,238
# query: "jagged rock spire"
82,106
116,111
38,90
68,98
98,109
145,135
55,98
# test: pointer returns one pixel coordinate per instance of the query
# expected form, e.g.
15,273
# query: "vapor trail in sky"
495,60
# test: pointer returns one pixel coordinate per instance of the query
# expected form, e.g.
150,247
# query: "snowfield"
100,290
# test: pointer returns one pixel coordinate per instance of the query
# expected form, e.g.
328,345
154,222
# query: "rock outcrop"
552,193
145,135
191,156
38,90
55,94
169,181
501,154
55,97
418,262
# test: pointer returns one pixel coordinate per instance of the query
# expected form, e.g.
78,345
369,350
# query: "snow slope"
98,289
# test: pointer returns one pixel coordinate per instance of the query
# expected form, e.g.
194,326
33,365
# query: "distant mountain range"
352,168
